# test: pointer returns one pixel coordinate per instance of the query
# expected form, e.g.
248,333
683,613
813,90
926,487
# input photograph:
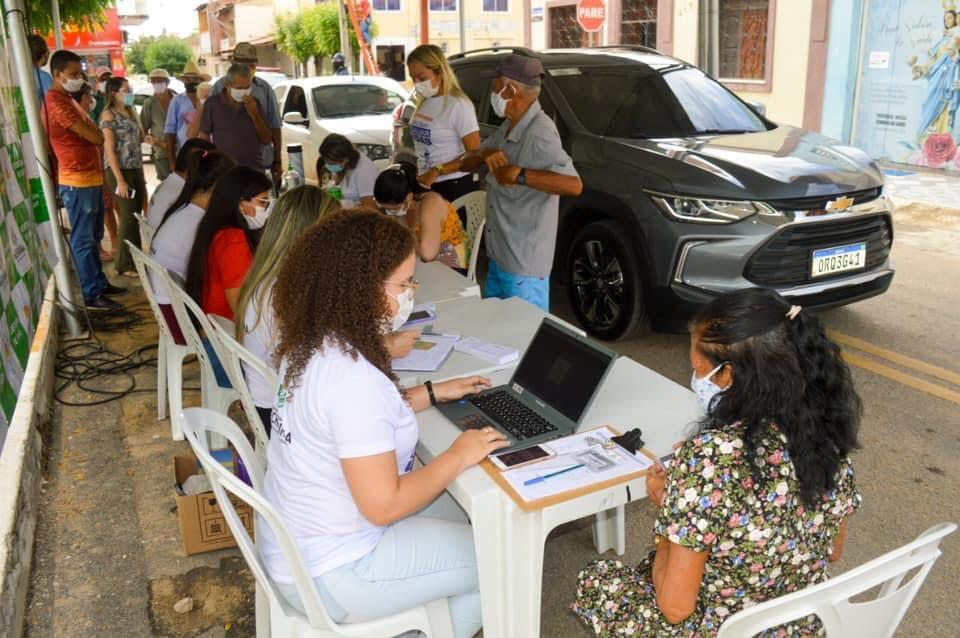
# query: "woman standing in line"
444,125
122,137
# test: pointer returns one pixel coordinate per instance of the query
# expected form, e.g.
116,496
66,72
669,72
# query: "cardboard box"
203,527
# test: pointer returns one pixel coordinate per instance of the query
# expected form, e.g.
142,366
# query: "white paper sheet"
428,354
567,449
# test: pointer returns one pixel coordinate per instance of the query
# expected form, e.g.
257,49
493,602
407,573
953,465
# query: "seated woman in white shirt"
342,166
173,240
294,212
170,188
340,463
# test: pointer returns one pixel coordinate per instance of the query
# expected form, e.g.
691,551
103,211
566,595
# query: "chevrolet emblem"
840,204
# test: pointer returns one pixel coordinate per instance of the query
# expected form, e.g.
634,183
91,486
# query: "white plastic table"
439,283
509,542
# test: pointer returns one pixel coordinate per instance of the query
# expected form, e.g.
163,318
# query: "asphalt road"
905,357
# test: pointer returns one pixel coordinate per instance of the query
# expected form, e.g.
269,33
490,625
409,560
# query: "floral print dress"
763,541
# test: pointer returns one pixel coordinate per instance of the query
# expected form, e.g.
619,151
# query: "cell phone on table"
519,458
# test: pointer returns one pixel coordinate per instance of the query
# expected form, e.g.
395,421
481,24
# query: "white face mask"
102,86
705,389
159,88
499,103
72,85
426,89
239,94
92,107
405,303
395,212
260,216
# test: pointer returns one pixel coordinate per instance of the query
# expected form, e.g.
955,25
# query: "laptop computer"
548,394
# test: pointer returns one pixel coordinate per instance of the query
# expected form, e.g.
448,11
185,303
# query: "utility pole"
57,26
425,21
344,34
463,26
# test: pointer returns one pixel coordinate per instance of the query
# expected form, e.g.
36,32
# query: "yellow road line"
895,357
902,377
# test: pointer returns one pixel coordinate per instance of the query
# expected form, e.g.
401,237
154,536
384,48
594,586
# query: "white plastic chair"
170,354
475,204
214,396
235,355
146,231
199,424
830,600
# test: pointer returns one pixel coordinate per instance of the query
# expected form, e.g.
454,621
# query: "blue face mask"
705,389
128,99
334,168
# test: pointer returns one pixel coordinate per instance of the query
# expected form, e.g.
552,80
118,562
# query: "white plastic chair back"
234,354
215,396
170,354
475,203
830,600
146,231
199,425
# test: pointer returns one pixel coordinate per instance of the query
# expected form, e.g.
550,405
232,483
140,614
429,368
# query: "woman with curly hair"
294,212
755,505
340,467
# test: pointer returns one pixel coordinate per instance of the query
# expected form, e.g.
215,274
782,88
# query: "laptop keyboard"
513,416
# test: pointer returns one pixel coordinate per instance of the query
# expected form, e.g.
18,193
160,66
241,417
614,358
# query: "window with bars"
496,5
565,31
742,39
386,5
443,5
638,23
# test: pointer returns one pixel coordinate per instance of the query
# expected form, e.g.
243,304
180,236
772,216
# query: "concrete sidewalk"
923,189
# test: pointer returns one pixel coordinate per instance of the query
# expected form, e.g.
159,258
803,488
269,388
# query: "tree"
135,55
167,52
314,32
81,12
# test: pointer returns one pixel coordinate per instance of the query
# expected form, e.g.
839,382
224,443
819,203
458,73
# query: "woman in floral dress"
754,506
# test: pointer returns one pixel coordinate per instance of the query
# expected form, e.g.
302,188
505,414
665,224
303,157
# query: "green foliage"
314,32
136,53
168,53
81,12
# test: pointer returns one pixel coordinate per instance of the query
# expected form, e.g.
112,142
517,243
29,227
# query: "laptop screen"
562,370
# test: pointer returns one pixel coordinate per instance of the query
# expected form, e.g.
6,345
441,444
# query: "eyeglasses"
410,283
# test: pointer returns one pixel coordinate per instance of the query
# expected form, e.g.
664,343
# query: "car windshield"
346,100
678,101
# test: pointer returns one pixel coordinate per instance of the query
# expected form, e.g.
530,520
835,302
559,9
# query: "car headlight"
374,151
707,211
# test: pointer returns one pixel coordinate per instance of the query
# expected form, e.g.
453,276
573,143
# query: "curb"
924,212
20,466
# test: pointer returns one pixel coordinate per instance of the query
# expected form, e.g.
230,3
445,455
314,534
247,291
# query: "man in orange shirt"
76,142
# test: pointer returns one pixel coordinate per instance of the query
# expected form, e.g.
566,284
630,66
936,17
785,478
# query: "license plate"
828,261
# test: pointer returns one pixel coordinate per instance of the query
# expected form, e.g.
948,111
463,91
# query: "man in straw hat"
153,119
183,108
262,92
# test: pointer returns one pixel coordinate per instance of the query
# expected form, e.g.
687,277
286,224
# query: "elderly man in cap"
153,119
183,108
262,92
528,172
234,120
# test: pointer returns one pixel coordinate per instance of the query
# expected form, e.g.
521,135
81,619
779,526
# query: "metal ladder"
370,62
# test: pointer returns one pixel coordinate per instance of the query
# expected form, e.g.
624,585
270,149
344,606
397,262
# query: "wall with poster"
24,238
909,83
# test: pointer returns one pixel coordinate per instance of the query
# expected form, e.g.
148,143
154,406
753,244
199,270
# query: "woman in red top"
223,248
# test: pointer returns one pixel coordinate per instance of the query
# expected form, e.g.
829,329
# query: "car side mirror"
295,118
759,107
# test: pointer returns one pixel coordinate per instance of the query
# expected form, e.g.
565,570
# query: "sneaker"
112,290
104,303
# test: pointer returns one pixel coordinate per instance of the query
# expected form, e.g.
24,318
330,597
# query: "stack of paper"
491,352
428,354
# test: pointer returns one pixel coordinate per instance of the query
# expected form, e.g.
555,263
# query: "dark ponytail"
785,372
395,182
204,168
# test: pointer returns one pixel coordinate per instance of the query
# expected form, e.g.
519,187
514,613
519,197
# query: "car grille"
785,259
820,203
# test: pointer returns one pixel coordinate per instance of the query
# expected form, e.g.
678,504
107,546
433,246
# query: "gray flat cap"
521,68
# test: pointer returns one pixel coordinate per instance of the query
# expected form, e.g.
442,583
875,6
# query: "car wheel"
606,285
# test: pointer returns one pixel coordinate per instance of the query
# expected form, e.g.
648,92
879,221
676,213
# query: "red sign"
78,40
591,14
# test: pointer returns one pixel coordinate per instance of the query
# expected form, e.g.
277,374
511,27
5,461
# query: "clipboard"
531,506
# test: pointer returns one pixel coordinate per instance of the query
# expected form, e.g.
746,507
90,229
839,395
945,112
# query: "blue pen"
541,479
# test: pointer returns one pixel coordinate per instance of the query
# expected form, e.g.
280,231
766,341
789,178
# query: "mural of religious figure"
942,72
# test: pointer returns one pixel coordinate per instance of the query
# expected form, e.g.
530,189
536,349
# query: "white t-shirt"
342,408
172,244
167,192
438,128
358,182
260,340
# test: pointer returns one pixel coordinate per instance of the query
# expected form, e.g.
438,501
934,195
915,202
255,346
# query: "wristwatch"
522,177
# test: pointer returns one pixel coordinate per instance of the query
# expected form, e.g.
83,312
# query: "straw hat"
245,53
159,74
191,73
